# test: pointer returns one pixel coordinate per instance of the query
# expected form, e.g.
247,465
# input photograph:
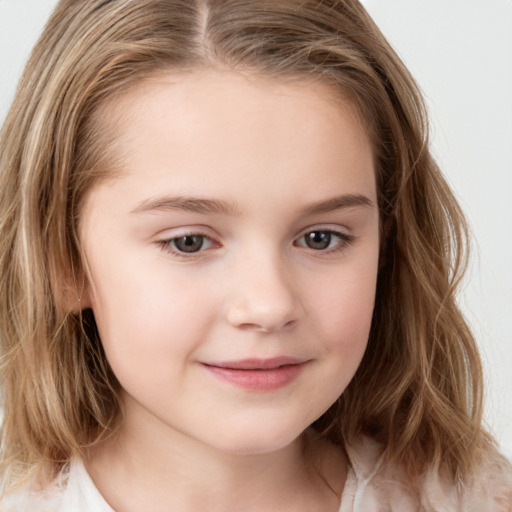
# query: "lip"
258,374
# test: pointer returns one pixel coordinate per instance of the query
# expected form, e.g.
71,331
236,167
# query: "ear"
76,298
74,294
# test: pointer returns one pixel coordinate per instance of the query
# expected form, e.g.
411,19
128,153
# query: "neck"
146,469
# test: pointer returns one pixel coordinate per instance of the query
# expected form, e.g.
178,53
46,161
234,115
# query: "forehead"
215,126
215,95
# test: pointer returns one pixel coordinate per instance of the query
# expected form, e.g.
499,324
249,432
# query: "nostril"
290,324
264,326
267,304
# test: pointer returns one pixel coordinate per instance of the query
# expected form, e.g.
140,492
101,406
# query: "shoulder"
380,485
73,491
491,487
30,498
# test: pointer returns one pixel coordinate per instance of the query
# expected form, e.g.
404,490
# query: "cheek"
345,307
342,312
343,315
348,318
146,317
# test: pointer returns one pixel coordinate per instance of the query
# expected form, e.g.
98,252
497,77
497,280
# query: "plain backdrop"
460,52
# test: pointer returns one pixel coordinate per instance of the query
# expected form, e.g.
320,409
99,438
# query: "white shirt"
370,487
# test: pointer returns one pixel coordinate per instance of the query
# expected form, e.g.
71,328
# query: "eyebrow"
199,205
339,203
205,206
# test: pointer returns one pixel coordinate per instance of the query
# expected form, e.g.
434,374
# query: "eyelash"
344,240
166,245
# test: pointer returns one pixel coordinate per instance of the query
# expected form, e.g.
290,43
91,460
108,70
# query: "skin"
265,153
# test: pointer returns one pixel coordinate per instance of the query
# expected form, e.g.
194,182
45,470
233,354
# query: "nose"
265,297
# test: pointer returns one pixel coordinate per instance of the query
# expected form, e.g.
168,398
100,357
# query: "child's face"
242,235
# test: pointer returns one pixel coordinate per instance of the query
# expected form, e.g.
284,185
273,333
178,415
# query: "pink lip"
258,374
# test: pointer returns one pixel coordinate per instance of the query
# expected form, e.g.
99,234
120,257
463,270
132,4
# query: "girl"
228,271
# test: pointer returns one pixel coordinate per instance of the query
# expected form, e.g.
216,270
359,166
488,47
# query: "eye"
188,244
322,240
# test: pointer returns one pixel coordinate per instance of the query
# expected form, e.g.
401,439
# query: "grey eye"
318,240
324,240
189,243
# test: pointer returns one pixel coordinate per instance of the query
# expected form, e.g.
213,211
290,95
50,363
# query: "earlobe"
80,301
75,295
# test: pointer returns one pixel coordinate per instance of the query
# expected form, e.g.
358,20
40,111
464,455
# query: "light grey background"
460,51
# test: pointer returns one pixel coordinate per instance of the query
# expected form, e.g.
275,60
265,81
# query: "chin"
258,439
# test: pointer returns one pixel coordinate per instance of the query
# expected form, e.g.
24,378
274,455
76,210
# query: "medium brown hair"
418,390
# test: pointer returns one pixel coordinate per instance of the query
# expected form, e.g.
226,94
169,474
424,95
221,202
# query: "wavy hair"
418,390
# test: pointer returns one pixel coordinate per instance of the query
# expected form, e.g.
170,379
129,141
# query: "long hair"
418,390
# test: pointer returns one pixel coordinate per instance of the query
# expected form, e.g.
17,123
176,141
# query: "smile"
258,374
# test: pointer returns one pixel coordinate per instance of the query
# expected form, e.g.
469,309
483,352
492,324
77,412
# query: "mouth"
258,374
